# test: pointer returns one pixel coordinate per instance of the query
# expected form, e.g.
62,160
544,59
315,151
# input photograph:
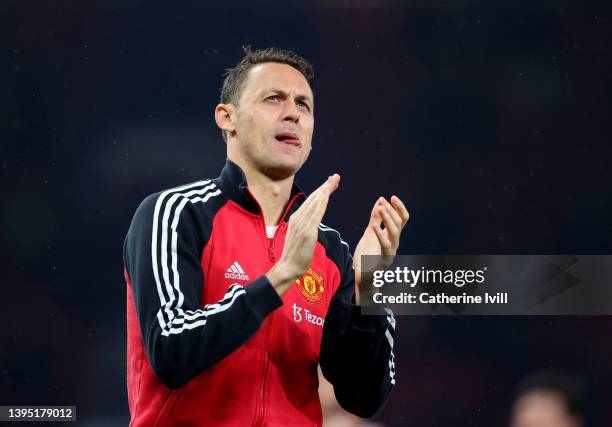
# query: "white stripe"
164,241
392,371
173,248
239,267
167,304
164,244
191,319
208,310
235,291
324,227
389,338
233,269
391,319
392,367
235,287
154,246
189,315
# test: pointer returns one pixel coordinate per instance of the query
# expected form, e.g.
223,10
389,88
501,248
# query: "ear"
225,115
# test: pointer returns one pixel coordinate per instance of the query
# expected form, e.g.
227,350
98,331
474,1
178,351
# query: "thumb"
332,183
322,199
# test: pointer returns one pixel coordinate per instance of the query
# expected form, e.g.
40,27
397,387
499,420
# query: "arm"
357,350
162,258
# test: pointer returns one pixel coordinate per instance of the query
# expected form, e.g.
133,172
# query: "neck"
271,194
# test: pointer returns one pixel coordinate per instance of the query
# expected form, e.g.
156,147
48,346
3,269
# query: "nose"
291,112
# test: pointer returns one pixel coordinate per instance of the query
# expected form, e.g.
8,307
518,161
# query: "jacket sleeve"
357,350
162,253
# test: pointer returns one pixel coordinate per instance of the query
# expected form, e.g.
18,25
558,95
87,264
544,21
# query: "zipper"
261,409
261,405
271,249
262,391
267,327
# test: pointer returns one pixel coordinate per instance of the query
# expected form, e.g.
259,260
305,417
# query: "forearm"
197,339
357,358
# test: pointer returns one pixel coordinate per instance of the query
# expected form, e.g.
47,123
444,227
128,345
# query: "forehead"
271,75
542,400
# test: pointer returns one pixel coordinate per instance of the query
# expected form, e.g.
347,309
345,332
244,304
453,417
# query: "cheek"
247,123
249,128
308,130
257,125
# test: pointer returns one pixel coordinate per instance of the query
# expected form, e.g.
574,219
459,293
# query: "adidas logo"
236,272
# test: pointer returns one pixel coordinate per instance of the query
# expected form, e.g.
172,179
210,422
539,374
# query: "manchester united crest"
311,285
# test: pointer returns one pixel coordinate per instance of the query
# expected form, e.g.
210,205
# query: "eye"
273,98
302,104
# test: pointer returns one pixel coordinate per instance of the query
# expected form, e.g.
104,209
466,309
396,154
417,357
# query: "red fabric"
271,380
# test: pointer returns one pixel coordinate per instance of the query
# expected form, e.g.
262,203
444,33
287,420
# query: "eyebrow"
300,97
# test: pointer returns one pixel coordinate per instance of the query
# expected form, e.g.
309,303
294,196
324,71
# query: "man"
237,291
551,399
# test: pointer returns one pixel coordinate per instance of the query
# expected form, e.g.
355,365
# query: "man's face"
542,409
274,120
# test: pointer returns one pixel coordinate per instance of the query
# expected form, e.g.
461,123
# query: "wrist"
281,277
364,298
364,294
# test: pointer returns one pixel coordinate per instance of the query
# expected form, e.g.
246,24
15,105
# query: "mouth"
289,138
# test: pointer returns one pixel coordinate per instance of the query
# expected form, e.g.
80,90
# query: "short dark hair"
234,78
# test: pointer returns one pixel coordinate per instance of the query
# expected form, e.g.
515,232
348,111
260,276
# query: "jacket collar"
234,184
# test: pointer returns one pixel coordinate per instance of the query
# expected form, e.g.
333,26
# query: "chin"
282,169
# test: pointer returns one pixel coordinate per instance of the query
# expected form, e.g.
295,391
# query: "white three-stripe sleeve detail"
194,314
163,245
201,315
175,297
154,245
173,249
164,240
391,321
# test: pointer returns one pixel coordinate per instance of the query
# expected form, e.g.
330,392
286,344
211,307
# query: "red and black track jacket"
210,342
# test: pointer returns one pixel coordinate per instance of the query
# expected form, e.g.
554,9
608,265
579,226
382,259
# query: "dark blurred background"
490,119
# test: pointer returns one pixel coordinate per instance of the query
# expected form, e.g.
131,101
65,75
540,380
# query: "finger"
319,206
375,218
384,242
312,197
393,230
332,183
393,213
329,185
324,191
401,209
